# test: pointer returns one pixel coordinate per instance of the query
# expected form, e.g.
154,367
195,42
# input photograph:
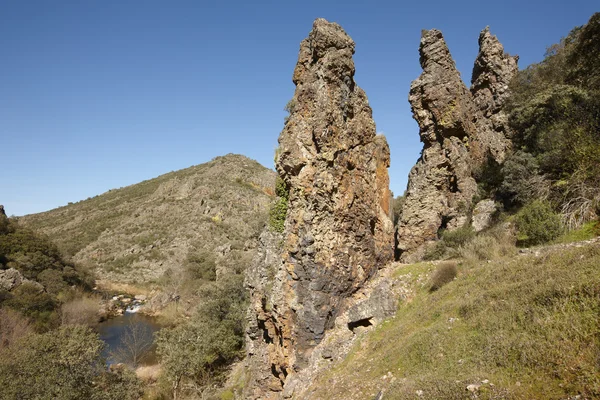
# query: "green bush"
537,223
458,237
65,364
278,210
201,265
201,349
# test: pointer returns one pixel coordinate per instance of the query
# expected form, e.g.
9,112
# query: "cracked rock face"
460,131
337,230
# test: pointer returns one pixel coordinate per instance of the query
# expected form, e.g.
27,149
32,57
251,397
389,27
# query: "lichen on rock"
461,130
337,229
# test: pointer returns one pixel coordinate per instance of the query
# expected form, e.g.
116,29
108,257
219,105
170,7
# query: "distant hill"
136,233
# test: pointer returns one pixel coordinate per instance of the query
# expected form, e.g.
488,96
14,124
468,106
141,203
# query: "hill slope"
137,233
523,327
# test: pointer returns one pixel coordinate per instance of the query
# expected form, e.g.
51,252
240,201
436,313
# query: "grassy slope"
531,326
139,231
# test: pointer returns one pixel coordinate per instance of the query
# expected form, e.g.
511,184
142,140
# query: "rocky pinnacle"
460,129
337,230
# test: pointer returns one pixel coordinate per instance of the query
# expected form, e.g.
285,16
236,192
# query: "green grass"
528,325
588,231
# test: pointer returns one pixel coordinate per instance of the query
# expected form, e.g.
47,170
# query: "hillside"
520,327
136,233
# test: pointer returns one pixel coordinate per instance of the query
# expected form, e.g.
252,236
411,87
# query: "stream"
119,330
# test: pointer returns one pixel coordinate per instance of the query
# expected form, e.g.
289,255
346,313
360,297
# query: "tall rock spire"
460,131
337,230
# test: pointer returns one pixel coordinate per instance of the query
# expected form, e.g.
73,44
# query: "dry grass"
445,273
13,326
149,373
496,243
80,311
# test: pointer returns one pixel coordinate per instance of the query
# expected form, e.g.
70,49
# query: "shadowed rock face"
337,229
460,130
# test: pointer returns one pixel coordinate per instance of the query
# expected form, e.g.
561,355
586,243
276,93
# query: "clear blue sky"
96,95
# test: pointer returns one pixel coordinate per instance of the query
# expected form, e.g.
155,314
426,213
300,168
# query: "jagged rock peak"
337,229
434,51
440,101
492,73
460,131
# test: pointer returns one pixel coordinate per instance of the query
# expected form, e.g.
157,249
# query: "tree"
136,342
199,350
64,364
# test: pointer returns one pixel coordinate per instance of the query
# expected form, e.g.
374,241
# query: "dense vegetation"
554,111
49,281
47,348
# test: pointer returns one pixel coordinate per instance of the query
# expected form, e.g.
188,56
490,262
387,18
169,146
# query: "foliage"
201,265
587,231
80,311
457,237
397,204
495,243
64,364
289,107
554,111
445,273
279,206
521,182
537,223
199,350
51,279
13,326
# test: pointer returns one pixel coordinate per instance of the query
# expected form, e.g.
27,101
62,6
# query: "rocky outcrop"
337,229
460,131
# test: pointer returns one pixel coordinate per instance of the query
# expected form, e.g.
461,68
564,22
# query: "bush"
200,349
13,326
65,364
201,265
278,210
81,311
445,273
458,237
521,181
537,223
488,247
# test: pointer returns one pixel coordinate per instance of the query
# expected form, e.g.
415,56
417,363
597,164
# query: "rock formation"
460,131
337,229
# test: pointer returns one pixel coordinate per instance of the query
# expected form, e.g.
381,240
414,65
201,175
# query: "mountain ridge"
144,225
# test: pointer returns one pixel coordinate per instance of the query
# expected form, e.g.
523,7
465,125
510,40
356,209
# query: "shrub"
435,252
458,237
81,311
200,349
65,364
13,326
445,273
521,180
278,210
487,247
537,223
201,265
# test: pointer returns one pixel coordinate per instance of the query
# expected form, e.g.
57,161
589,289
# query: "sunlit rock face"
461,130
337,230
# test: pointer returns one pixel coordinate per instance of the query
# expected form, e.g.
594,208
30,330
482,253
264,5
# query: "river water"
115,330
